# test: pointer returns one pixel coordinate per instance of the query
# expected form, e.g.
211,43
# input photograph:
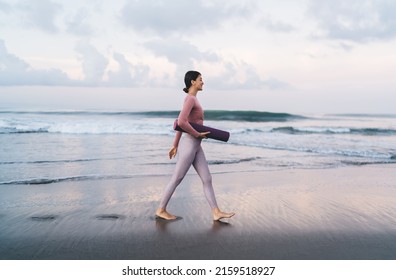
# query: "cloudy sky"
305,56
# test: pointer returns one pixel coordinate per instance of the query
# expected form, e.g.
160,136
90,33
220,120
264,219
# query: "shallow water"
51,147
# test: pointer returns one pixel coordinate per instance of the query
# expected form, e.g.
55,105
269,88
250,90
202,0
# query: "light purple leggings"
190,153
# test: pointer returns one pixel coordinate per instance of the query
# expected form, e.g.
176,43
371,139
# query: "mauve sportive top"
191,112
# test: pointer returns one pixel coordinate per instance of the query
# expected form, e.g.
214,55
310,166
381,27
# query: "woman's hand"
202,135
172,152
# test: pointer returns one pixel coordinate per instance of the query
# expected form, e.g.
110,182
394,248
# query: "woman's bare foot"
163,214
218,215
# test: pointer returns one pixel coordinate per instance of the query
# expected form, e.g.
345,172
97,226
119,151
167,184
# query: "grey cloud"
128,74
180,52
78,24
95,69
355,20
41,14
230,78
49,16
93,63
4,7
184,55
179,16
15,71
9,61
274,83
344,46
276,26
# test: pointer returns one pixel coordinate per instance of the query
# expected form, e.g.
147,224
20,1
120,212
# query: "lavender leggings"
190,153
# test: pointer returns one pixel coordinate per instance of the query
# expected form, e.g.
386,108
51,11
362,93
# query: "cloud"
127,73
97,73
221,74
276,26
4,7
180,52
95,66
50,16
15,71
179,16
94,63
274,83
41,14
227,74
241,75
78,25
355,20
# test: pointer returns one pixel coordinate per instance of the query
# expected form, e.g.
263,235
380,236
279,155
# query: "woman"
191,152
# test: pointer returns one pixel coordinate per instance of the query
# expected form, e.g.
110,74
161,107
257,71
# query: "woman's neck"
193,92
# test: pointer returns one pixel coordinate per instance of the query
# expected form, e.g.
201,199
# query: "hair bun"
185,90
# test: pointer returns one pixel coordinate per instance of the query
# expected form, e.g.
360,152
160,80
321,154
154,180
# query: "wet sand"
343,213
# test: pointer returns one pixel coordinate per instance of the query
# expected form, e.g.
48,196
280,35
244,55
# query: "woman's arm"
182,120
177,139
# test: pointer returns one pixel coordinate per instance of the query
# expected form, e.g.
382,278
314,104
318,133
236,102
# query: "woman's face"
198,83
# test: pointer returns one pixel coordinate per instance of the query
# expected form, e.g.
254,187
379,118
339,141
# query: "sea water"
46,147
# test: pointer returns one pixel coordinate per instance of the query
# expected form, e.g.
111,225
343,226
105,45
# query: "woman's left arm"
173,150
177,139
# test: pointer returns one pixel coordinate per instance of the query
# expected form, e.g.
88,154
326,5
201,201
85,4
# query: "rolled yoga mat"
216,134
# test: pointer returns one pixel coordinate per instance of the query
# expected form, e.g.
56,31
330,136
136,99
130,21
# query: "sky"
297,56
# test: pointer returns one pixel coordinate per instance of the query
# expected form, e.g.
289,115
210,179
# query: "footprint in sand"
44,218
109,217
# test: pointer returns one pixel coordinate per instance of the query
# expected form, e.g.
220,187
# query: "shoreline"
341,213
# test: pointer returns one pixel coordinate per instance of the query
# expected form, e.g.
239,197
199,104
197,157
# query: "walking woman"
190,150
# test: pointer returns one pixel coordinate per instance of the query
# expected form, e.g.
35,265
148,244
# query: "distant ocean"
46,147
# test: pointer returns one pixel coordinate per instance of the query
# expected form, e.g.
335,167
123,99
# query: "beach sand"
340,213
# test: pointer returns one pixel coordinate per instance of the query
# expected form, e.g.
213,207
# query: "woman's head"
189,78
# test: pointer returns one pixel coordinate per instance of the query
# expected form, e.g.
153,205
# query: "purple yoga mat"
216,134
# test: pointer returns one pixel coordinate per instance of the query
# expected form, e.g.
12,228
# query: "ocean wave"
46,181
334,130
57,161
78,122
232,161
221,115
387,116
373,131
214,162
324,150
89,127
15,130
224,115
361,163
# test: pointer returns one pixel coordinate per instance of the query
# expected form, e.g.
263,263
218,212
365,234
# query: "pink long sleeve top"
191,112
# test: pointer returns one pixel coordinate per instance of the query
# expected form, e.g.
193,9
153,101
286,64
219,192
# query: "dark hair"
190,76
